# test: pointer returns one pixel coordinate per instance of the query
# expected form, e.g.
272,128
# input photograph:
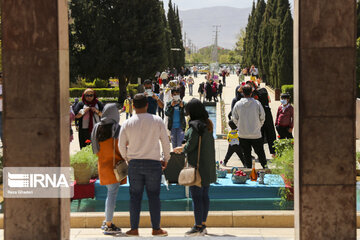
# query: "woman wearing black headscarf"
200,125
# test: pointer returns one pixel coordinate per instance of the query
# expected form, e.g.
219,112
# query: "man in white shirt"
139,145
249,116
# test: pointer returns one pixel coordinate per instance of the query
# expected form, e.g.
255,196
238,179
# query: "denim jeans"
177,136
110,203
201,203
144,173
191,89
128,114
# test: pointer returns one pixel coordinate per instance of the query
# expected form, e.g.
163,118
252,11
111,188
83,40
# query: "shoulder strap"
198,159
114,152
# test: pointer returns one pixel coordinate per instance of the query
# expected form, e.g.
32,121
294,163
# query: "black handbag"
175,165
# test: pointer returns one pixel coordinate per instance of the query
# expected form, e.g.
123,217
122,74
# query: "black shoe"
195,231
112,230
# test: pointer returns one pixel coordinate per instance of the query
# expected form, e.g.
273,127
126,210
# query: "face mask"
176,97
149,92
283,101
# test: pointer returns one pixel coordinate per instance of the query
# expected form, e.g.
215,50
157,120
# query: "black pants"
284,132
161,112
268,130
83,136
235,149
258,146
224,80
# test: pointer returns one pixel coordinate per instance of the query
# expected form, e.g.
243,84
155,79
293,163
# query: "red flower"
87,141
278,136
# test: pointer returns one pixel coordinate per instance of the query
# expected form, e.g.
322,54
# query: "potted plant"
84,163
283,164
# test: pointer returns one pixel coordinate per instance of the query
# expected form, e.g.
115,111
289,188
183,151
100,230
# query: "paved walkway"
220,144
214,233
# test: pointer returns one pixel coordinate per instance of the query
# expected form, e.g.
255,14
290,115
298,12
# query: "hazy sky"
193,4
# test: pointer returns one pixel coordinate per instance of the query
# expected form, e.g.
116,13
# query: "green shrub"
100,83
288,89
132,89
283,164
282,145
85,155
100,92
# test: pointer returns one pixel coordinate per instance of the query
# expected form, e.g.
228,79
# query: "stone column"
324,58
36,109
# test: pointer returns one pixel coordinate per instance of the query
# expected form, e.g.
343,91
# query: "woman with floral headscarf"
88,112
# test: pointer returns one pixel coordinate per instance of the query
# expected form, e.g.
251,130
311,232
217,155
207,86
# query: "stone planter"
82,173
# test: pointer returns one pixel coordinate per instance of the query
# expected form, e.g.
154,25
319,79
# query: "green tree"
176,36
285,67
124,39
265,41
246,60
254,34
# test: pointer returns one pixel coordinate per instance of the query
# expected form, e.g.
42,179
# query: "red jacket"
285,118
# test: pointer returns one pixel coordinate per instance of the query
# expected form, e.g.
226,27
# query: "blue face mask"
283,101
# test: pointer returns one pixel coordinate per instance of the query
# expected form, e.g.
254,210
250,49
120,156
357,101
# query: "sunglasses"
89,95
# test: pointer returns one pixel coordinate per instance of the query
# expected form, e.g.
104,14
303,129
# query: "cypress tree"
285,67
254,35
266,42
246,60
176,36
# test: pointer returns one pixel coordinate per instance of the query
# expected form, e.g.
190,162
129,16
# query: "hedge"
288,89
100,92
104,92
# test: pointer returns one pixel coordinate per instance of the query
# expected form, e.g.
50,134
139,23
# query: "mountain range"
198,25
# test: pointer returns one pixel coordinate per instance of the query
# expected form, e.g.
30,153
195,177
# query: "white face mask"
283,101
176,97
149,92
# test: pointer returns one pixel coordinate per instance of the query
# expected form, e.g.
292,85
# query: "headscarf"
90,104
110,115
198,115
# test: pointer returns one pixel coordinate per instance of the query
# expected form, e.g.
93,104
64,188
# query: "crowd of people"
181,127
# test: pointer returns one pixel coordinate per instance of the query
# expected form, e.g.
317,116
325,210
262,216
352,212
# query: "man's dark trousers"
258,146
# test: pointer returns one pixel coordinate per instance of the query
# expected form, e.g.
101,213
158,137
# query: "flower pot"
82,173
221,173
238,179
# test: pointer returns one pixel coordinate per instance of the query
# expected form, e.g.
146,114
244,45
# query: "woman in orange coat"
104,138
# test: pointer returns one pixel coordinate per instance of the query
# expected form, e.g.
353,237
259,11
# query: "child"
128,106
285,117
234,144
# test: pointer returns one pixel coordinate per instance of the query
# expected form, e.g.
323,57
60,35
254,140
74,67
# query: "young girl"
104,140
